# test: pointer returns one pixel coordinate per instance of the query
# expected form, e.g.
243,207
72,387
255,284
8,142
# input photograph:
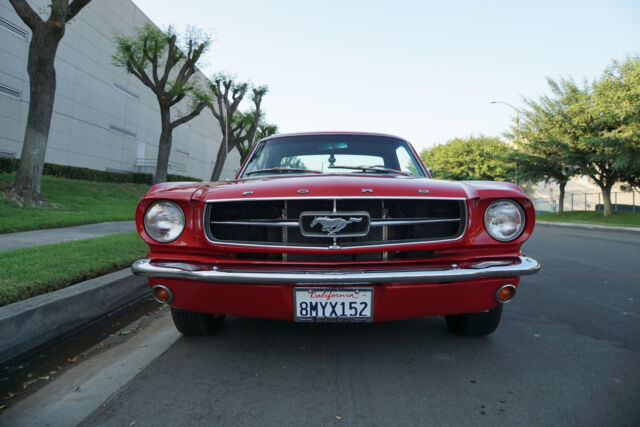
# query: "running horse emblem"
333,225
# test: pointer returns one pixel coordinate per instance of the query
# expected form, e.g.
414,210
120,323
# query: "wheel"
196,324
475,324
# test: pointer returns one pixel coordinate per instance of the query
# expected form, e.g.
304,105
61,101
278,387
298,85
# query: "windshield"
333,154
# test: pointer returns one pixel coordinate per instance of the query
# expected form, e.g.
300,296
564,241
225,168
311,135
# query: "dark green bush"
9,165
173,178
74,172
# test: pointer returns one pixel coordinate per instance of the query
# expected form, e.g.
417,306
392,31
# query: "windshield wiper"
279,170
371,168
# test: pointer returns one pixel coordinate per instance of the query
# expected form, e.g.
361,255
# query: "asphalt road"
566,353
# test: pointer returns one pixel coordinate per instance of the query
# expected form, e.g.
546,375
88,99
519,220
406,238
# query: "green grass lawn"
75,202
625,219
33,271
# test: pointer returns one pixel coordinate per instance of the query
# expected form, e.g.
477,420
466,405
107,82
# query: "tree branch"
213,111
221,118
137,70
27,14
177,99
171,60
237,128
257,100
189,66
154,61
184,119
75,7
59,10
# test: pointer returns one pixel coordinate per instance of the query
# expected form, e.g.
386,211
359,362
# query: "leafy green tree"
152,55
599,122
592,129
617,111
241,129
543,149
45,38
472,158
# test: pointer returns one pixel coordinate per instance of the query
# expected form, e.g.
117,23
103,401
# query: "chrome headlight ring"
164,221
504,220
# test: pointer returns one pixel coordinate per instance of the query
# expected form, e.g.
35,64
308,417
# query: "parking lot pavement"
566,353
27,239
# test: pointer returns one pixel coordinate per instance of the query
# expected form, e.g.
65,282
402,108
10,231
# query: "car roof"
284,135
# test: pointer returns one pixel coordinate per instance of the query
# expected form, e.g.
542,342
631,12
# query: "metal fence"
622,201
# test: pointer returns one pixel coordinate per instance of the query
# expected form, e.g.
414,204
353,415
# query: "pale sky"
422,70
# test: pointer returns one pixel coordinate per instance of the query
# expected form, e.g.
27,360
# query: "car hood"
315,186
346,185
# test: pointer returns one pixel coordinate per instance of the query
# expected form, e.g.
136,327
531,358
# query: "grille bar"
395,222
374,222
263,223
277,222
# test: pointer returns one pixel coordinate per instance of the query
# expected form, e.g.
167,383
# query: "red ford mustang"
335,227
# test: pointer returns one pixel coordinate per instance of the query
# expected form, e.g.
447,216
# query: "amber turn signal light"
162,294
505,294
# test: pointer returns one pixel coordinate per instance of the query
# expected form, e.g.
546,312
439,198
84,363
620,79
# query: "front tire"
475,324
193,324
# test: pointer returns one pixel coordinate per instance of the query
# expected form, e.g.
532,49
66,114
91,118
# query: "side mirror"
430,170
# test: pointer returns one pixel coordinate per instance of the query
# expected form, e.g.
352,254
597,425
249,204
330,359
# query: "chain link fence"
622,201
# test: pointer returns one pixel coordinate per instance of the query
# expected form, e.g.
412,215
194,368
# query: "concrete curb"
78,392
590,226
25,325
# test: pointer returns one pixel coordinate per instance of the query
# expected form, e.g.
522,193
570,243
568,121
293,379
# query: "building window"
11,27
122,130
11,92
126,91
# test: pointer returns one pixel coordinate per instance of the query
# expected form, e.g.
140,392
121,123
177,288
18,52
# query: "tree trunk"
561,198
220,159
606,199
42,90
164,147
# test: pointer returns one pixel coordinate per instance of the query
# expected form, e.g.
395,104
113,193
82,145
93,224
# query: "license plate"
333,304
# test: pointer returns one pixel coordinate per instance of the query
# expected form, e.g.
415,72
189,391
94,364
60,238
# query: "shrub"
9,165
172,178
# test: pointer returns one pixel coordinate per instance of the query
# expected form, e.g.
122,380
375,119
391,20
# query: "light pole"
517,129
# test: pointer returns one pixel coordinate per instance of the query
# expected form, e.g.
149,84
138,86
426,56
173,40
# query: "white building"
103,118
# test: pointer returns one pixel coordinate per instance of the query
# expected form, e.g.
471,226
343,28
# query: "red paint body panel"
391,301
331,186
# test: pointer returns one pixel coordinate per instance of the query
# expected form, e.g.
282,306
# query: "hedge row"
9,165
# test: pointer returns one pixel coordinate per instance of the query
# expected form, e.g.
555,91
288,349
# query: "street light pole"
517,129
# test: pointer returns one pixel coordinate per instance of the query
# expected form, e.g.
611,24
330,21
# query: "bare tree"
236,130
262,130
151,55
46,36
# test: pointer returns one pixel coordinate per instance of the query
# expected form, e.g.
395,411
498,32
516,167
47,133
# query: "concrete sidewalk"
27,239
590,226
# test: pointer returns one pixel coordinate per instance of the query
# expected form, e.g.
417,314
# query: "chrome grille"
277,222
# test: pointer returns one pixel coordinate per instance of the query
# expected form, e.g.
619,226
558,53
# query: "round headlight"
164,221
504,220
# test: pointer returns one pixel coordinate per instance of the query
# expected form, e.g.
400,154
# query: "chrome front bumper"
181,270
